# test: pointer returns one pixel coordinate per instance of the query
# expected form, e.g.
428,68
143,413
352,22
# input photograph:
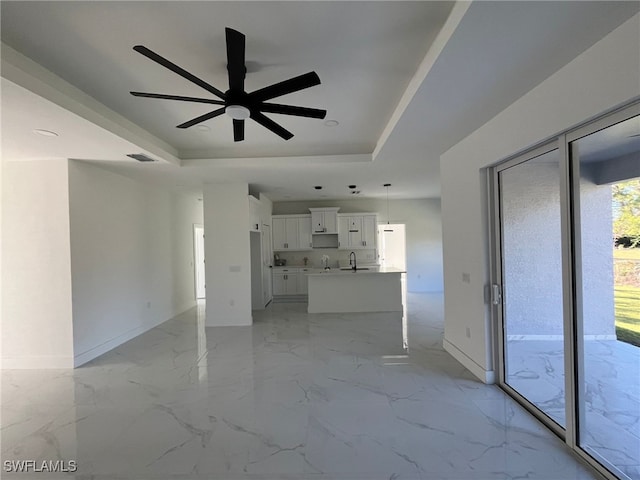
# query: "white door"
198,253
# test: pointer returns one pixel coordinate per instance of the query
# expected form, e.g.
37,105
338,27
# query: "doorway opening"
198,262
392,253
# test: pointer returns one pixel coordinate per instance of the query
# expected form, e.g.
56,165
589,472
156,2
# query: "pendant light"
387,185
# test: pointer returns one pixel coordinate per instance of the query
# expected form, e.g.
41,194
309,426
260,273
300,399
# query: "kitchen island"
375,289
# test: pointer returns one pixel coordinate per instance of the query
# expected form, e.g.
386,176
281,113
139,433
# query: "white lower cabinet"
285,281
303,282
290,281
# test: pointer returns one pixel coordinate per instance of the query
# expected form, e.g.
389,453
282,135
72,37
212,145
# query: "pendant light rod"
387,185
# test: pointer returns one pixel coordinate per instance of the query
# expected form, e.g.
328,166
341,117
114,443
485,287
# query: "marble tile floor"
295,396
611,396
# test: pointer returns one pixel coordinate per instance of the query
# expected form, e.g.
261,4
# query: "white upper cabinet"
304,232
369,228
343,232
357,231
324,220
279,233
291,232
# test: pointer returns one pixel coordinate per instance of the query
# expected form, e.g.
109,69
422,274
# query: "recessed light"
318,187
331,123
352,186
203,128
45,133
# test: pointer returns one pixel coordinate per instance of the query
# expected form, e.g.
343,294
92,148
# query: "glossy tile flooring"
295,396
611,420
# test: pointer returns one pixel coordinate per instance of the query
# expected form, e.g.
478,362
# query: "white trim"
94,352
37,362
486,376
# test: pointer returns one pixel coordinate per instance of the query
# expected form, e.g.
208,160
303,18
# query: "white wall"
423,234
605,76
228,254
36,278
131,257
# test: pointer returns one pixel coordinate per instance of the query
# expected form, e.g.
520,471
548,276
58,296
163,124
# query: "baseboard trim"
37,362
485,376
96,351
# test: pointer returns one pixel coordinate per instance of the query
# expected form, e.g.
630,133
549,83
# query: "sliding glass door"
566,287
531,281
607,304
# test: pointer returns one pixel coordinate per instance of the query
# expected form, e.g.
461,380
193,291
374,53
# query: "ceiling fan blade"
235,59
291,110
271,125
294,84
176,69
177,97
202,118
238,130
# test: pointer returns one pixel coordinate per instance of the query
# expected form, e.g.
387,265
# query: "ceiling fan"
235,102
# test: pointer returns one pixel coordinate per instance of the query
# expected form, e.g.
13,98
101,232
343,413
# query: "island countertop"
376,290
359,271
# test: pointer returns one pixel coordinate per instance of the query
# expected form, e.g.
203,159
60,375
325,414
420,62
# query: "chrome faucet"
353,265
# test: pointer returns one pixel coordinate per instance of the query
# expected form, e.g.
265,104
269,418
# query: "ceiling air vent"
140,157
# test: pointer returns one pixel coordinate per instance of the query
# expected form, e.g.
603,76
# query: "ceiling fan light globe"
237,112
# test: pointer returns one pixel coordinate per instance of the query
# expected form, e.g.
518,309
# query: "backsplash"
314,257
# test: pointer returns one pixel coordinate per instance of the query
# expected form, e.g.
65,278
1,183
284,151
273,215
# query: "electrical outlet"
468,332
148,304
466,277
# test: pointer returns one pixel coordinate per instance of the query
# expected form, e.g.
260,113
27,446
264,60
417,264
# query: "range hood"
324,240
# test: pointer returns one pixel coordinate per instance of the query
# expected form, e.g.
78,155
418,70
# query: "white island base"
360,291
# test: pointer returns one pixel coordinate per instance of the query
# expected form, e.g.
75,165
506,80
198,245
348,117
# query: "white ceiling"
406,81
